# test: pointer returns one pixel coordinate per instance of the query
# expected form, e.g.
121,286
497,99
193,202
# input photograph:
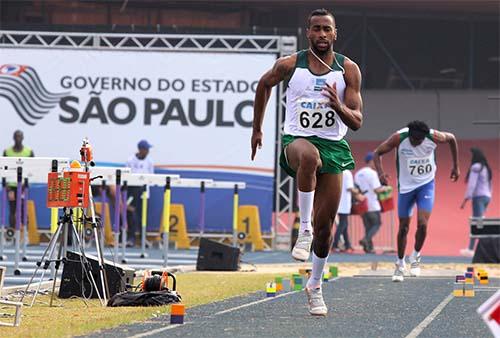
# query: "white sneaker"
302,247
399,273
414,266
317,306
467,252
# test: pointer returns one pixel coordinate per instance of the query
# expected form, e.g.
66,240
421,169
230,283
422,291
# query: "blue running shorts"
423,196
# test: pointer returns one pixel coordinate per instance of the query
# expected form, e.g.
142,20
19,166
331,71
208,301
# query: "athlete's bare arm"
350,111
282,68
446,137
386,146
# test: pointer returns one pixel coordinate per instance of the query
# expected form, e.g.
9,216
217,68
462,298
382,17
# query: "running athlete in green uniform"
416,165
323,101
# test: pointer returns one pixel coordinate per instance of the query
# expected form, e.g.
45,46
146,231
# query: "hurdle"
25,218
235,186
144,219
201,219
145,181
116,223
3,217
17,316
124,228
109,174
104,201
124,176
207,184
166,220
33,170
167,198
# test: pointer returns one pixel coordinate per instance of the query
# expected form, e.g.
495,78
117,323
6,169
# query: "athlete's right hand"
256,142
384,178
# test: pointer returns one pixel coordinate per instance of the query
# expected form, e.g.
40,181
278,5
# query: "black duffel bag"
144,298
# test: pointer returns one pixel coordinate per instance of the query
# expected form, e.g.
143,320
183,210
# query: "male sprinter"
323,100
416,165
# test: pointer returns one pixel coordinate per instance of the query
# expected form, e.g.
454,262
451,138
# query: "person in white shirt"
369,184
140,163
348,192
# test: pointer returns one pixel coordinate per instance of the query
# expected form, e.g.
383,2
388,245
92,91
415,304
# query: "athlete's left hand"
455,173
256,142
331,93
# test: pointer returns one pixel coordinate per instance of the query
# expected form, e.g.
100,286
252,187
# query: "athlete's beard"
321,52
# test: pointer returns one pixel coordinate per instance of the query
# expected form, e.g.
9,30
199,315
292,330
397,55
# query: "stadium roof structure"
489,7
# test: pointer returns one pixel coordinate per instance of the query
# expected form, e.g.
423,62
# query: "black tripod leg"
98,245
101,263
63,242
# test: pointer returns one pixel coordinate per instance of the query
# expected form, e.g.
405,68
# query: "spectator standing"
369,185
17,150
348,193
140,163
478,190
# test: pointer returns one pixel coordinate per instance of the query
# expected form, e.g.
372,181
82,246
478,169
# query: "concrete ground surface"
358,307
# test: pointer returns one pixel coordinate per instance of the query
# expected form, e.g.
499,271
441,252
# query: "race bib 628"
314,114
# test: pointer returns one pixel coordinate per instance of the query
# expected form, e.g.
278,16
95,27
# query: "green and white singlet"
307,110
416,165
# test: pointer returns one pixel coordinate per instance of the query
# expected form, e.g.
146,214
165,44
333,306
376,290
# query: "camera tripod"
60,239
70,191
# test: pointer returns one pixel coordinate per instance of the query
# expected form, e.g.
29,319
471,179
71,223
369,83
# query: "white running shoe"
414,266
302,247
399,273
317,306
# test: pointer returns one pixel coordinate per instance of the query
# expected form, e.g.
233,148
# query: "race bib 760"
419,166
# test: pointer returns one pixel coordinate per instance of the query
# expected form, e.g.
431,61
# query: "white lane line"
260,301
408,277
486,290
424,323
494,288
153,332
254,303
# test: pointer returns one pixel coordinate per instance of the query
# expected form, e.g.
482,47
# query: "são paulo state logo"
22,87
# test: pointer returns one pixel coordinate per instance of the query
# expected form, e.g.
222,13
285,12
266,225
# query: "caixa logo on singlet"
22,87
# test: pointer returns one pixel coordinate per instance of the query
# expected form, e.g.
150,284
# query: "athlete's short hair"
319,12
418,129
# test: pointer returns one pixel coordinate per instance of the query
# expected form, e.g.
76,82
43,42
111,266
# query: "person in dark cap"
369,184
140,163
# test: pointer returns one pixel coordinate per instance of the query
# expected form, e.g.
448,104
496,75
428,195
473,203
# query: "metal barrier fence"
384,240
